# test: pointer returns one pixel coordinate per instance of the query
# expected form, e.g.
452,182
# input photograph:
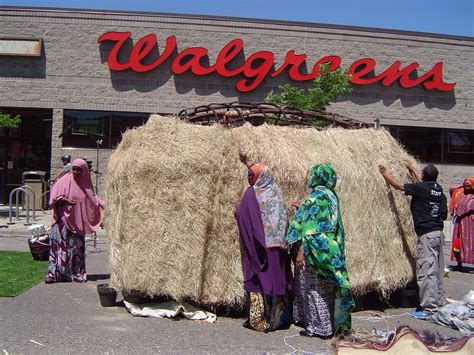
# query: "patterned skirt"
268,313
462,246
314,303
67,256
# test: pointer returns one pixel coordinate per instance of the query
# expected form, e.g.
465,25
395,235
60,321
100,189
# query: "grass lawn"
19,271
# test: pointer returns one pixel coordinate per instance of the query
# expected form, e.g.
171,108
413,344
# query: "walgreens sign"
259,65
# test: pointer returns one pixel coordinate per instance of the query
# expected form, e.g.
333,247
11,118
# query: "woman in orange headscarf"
463,228
262,220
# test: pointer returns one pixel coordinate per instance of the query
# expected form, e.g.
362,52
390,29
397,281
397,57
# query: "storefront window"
436,145
423,143
83,128
459,146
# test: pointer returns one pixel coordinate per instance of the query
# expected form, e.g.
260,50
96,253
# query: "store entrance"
26,148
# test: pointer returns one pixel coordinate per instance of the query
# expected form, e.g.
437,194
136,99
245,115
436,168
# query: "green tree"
7,121
326,88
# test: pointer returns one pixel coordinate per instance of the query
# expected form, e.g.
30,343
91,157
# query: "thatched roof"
173,187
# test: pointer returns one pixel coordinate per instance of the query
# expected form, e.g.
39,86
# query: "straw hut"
173,187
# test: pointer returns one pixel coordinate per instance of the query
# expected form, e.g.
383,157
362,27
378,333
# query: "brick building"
57,76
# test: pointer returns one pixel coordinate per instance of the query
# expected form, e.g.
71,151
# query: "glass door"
26,148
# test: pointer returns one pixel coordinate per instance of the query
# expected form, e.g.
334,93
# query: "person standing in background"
429,210
77,211
66,159
463,226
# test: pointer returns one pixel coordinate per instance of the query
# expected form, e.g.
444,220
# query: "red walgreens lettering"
258,65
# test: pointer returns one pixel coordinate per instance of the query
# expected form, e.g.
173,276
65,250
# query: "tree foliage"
7,121
326,88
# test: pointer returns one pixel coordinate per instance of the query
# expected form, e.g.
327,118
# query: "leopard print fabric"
257,319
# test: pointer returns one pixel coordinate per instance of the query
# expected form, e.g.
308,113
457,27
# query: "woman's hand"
244,159
69,201
299,262
296,204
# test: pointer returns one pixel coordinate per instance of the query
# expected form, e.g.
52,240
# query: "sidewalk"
68,318
14,237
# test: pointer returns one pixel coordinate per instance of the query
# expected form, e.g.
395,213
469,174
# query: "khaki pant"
430,269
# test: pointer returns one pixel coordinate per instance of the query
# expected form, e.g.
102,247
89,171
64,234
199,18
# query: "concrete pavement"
68,318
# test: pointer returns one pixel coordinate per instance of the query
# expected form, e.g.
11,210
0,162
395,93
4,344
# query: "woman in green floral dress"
323,299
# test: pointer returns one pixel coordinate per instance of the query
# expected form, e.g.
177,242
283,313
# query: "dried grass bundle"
173,187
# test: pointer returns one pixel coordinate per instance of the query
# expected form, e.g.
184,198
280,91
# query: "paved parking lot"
68,318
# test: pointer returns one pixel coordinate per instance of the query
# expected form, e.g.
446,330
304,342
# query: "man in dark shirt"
429,209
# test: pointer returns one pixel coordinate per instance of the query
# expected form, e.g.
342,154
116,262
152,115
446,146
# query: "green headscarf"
322,175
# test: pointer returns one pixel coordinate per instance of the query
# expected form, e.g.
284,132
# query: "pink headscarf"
85,216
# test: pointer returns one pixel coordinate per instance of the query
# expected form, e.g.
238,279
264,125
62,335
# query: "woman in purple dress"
262,219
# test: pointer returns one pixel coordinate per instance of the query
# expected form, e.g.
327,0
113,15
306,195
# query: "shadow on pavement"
96,277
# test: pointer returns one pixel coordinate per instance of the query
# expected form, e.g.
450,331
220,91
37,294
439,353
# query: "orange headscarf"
469,181
254,172
456,191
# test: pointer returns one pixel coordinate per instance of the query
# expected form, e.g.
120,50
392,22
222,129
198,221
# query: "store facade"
79,78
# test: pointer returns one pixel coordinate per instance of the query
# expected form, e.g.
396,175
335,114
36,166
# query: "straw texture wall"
173,187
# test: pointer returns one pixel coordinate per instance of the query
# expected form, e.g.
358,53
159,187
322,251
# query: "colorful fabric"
85,216
273,209
454,192
66,256
267,313
318,225
403,341
463,228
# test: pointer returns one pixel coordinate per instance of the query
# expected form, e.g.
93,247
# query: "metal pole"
98,142
377,123
10,210
27,198
97,167
17,191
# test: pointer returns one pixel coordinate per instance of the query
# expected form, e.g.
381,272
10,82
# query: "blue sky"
453,17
